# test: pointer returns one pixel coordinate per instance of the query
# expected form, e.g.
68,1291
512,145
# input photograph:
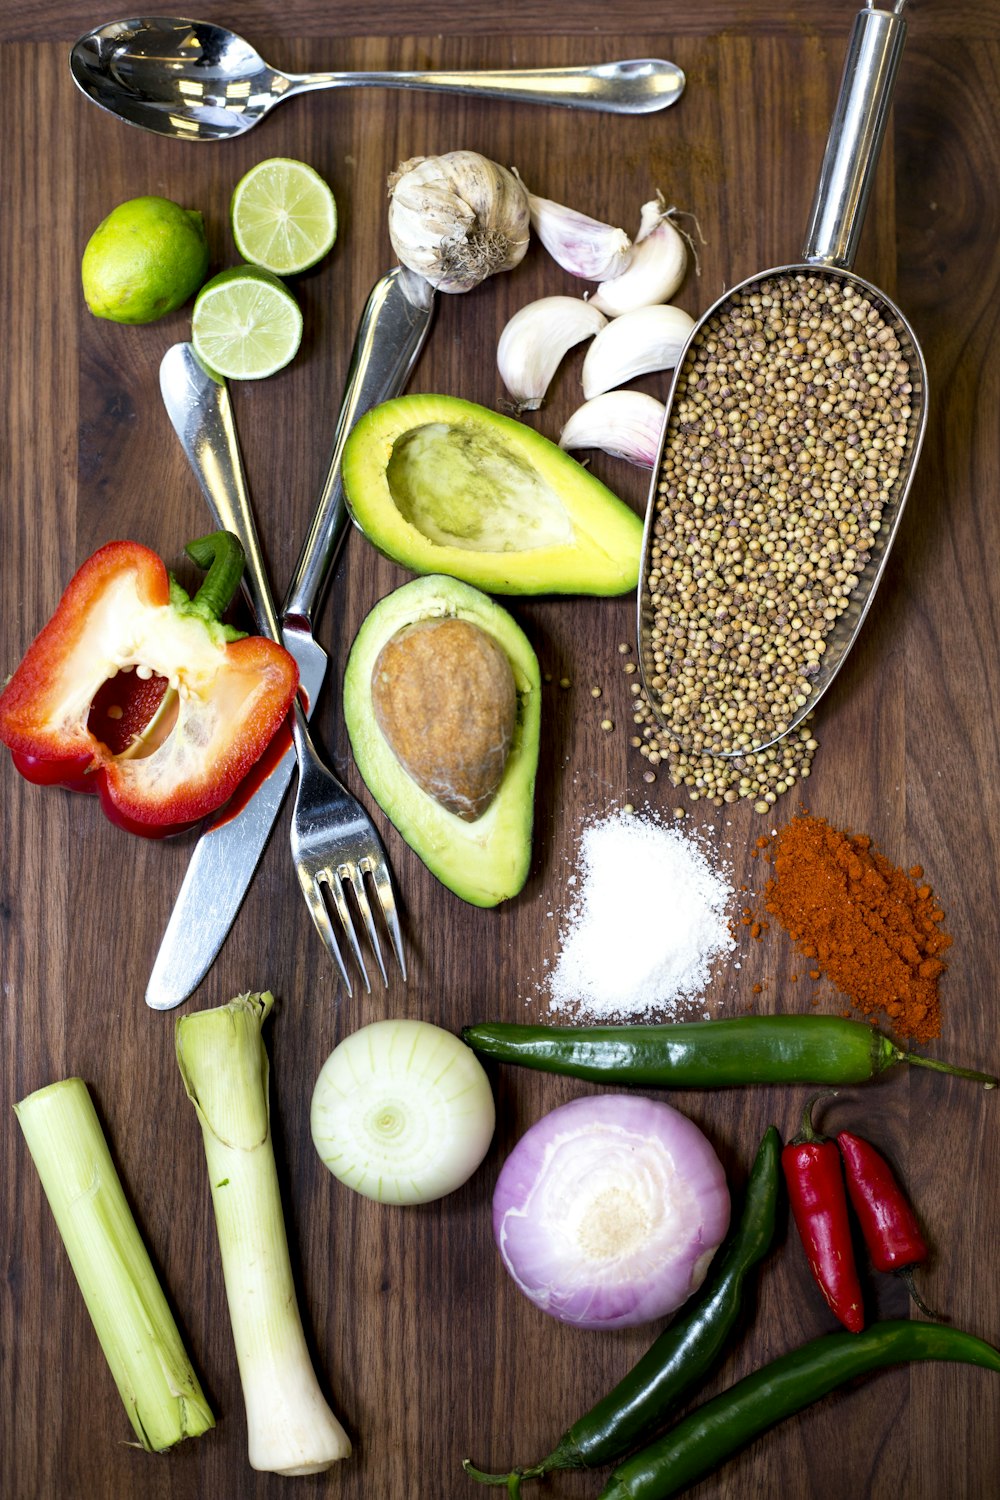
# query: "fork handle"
199,407
391,334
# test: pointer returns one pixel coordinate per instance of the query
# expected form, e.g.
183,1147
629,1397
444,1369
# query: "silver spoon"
197,81
831,243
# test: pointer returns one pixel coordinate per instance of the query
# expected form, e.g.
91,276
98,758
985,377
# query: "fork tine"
387,901
343,912
323,925
357,880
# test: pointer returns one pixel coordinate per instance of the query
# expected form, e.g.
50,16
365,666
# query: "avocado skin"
603,558
487,861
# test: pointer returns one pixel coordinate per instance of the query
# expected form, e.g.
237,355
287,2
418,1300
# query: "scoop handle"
855,139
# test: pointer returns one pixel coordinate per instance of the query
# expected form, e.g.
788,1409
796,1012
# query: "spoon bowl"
193,80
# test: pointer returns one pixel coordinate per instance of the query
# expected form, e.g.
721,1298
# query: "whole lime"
144,260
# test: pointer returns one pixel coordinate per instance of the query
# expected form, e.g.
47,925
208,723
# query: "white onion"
402,1111
609,1210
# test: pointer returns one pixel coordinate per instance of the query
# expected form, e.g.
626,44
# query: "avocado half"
444,486
487,861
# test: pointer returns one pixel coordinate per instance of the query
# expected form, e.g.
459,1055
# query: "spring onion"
223,1063
402,1111
126,1304
609,1210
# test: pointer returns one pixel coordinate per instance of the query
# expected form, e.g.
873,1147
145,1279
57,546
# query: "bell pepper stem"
221,553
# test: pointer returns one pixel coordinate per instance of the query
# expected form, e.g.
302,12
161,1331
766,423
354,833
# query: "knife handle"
391,334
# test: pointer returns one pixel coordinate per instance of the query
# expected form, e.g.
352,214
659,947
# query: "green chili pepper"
708,1054
641,1403
716,1430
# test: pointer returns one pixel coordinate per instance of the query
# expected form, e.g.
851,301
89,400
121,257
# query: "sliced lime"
284,216
246,324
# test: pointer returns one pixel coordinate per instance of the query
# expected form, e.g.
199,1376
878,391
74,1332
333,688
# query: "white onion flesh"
402,1112
609,1210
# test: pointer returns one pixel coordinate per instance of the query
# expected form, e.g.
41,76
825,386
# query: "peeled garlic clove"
458,218
651,338
626,424
655,271
534,342
582,246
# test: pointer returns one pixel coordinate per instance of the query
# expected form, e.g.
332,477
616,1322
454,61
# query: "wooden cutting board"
427,1349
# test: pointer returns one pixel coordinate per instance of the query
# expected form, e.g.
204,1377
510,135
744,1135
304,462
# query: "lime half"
246,324
284,216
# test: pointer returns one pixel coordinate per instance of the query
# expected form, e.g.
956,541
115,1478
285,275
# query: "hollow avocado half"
442,485
487,861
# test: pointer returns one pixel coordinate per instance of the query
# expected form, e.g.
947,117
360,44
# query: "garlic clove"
636,343
458,218
535,340
626,424
656,269
582,246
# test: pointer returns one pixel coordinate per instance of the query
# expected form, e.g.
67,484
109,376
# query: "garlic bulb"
651,338
536,338
655,270
626,424
458,218
582,246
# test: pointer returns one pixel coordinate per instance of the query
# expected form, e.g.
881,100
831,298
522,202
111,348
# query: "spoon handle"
638,86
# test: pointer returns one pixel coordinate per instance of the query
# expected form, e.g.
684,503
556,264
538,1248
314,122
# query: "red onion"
609,1209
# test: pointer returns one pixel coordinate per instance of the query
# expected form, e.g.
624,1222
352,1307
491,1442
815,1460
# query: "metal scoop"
197,81
830,246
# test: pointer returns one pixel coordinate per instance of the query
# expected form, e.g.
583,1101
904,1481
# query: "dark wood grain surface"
428,1351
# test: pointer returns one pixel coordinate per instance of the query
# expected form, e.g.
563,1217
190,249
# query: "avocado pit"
445,699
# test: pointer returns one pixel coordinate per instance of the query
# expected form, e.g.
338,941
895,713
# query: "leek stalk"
133,1322
223,1062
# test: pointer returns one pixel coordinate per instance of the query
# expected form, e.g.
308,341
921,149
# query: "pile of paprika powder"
874,929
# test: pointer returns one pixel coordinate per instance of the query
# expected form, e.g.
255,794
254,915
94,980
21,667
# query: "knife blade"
392,332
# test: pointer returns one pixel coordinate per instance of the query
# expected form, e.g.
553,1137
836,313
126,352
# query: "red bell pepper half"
143,695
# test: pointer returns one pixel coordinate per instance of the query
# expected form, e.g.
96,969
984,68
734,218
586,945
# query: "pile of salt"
649,919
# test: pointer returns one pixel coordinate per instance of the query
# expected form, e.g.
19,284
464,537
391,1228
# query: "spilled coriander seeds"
762,776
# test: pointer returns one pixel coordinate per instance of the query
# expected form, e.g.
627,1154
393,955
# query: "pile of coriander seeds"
786,438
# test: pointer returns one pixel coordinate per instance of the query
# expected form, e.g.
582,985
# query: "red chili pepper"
142,695
887,1220
815,1179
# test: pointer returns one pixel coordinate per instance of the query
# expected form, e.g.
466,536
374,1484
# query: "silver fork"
334,842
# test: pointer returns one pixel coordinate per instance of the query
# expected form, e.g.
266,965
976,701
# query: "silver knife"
392,332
